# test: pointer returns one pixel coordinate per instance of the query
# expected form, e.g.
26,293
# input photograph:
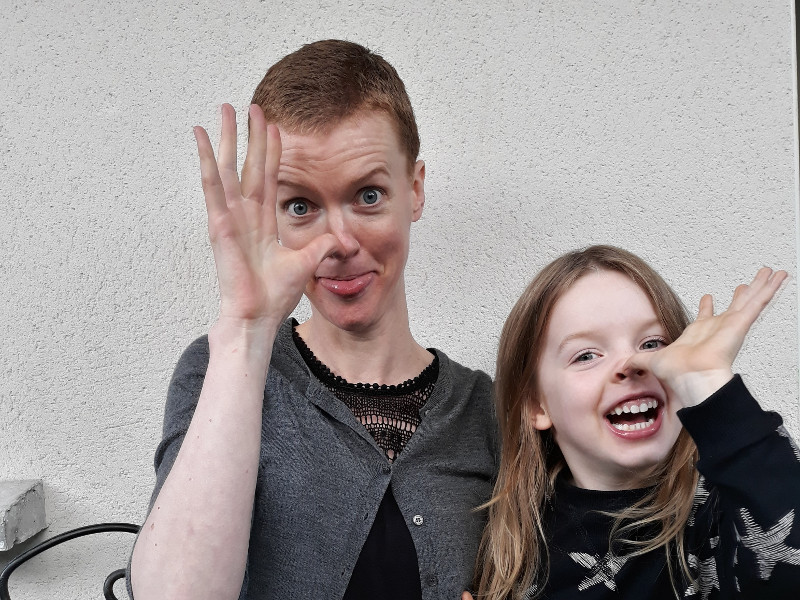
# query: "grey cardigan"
322,477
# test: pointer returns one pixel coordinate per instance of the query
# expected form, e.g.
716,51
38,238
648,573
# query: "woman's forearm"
195,539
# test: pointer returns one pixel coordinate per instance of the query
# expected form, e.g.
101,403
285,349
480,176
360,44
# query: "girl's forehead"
600,297
599,284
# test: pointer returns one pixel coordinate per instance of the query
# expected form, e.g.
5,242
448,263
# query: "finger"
770,281
466,596
750,301
227,140
753,298
253,169
271,166
743,293
320,248
765,291
209,175
779,277
706,308
740,296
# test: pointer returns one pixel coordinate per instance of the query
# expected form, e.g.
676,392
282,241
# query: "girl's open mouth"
635,415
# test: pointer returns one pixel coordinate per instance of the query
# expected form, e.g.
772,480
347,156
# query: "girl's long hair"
513,561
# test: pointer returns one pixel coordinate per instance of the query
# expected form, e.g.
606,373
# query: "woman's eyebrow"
380,170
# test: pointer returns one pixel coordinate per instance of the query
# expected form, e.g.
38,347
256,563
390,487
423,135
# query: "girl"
635,465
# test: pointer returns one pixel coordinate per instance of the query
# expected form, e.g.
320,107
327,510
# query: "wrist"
250,337
690,389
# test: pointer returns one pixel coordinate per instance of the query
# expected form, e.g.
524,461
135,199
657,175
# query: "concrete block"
21,511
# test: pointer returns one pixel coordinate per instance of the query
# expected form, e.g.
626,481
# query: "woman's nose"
340,226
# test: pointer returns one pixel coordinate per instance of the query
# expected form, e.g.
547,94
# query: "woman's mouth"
346,286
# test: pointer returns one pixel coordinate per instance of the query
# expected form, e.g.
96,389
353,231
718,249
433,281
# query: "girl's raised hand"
259,280
700,361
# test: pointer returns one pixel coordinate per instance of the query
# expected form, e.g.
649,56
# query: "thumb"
466,596
322,247
706,309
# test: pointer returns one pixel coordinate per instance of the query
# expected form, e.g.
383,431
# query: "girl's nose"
626,369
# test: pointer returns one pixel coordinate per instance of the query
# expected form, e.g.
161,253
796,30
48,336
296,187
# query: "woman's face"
613,425
353,182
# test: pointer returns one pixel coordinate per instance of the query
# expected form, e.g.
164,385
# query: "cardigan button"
386,469
418,520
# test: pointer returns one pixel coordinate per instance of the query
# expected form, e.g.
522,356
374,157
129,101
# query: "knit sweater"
322,477
743,536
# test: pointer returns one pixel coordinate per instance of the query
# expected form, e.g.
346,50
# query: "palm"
708,347
258,278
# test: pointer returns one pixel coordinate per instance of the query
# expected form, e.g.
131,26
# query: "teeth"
634,426
634,409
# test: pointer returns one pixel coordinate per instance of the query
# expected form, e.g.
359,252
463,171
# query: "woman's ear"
418,191
537,414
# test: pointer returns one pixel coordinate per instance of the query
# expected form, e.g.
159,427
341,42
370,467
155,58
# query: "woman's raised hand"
258,278
700,361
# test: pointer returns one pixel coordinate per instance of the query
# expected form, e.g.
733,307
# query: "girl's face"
612,424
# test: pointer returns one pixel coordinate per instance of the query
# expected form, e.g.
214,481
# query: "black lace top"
389,412
387,566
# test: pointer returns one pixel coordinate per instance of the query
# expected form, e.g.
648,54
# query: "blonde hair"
513,554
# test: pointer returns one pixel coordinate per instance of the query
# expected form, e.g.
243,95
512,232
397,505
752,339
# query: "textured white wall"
664,127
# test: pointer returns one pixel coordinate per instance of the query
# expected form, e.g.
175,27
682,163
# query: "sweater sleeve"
182,396
749,496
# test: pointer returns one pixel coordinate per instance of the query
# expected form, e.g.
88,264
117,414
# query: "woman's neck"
385,354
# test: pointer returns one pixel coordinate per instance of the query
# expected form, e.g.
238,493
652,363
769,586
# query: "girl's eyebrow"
654,322
573,336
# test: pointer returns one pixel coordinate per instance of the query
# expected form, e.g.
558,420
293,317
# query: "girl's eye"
297,208
585,356
654,344
371,196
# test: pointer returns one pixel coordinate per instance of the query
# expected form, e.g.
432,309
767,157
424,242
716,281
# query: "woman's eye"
653,344
371,196
297,208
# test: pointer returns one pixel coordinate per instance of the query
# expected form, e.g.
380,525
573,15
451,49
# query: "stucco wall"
664,127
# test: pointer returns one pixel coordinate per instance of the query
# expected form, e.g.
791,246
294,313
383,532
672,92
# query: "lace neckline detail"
328,378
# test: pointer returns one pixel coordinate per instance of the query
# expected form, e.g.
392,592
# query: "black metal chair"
108,586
